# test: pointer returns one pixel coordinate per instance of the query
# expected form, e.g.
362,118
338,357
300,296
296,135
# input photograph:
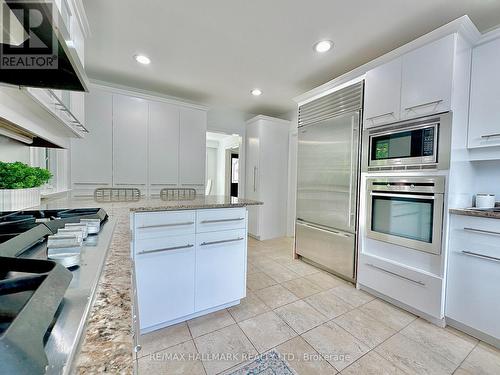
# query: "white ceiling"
216,51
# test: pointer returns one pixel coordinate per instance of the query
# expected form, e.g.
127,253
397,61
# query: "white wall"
487,177
212,166
11,150
223,120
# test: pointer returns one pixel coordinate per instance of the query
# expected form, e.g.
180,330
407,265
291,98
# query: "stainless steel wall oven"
406,211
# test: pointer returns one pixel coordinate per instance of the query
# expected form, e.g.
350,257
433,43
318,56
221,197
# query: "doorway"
223,164
235,174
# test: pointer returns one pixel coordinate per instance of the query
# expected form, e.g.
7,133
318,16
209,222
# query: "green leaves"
21,176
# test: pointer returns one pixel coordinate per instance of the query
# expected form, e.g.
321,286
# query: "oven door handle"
393,195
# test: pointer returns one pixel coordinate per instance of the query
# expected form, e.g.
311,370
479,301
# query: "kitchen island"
189,260
107,343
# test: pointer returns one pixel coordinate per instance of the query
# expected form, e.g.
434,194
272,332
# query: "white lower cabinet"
220,268
165,284
473,285
420,291
188,263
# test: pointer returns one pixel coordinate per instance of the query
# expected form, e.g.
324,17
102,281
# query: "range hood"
51,33
12,131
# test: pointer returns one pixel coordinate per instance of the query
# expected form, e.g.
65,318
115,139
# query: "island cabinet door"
220,268
165,282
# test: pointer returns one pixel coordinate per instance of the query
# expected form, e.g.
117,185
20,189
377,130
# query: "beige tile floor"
318,322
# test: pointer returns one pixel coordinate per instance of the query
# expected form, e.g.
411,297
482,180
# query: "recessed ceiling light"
323,46
256,92
141,59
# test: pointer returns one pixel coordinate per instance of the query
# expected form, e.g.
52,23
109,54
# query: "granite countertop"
200,202
107,345
488,213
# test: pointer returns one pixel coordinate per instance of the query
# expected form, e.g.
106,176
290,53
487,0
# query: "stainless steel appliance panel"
417,144
327,174
406,211
334,250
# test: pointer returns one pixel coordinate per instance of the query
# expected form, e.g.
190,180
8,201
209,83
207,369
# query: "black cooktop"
31,287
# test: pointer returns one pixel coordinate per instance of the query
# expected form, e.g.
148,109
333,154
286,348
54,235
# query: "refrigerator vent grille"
342,101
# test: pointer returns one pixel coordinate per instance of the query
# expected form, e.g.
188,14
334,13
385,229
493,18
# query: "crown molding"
145,94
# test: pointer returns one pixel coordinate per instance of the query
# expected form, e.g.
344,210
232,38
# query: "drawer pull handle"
424,104
395,274
167,225
222,241
221,220
382,115
482,256
166,249
482,231
491,135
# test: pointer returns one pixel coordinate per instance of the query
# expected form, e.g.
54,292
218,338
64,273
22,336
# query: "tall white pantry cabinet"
267,176
139,142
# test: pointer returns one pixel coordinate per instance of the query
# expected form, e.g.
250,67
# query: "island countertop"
107,342
200,202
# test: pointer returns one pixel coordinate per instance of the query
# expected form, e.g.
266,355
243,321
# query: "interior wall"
211,169
487,177
11,150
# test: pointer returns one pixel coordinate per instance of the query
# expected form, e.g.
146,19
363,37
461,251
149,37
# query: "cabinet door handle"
167,225
254,178
482,256
382,115
166,249
91,183
482,231
222,241
395,274
491,135
424,104
221,220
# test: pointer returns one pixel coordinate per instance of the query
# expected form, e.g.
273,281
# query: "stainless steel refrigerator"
327,180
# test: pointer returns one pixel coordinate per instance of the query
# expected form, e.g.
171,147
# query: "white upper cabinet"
192,147
91,157
427,79
484,115
163,144
383,94
130,140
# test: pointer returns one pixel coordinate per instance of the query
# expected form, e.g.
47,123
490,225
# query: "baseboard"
440,322
474,332
187,317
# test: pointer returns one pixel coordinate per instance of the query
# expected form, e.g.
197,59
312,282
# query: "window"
55,161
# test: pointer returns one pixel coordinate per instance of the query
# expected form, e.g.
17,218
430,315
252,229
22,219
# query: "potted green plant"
20,185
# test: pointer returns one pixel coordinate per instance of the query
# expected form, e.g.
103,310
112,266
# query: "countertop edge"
475,213
185,207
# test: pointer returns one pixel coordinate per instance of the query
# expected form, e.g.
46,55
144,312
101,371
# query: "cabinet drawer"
220,268
220,219
411,287
164,244
161,224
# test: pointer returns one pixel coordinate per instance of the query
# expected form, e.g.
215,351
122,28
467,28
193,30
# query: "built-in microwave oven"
410,145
